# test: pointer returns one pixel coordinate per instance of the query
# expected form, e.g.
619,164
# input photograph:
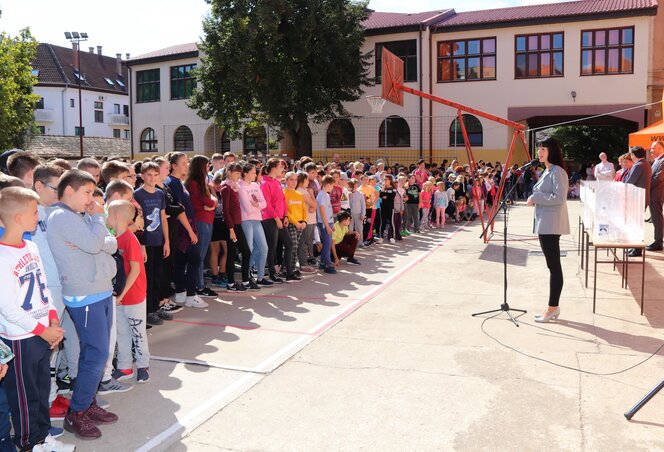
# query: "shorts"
219,230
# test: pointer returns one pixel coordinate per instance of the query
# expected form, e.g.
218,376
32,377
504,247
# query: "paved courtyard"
386,356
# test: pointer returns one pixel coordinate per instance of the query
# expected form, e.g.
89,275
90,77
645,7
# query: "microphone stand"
644,400
505,307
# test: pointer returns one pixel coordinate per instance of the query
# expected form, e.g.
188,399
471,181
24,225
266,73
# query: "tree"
583,144
283,62
17,100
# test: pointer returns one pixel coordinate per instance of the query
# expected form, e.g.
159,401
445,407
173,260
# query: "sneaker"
179,298
122,374
64,384
206,292
171,307
297,273
98,415
112,385
276,280
236,287
392,241
293,278
56,432
330,270
219,281
312,261
163,315
80,425
264,282
153,319
142,375
59,408
51,444
251,285
103,403
195,302
307,269
352,260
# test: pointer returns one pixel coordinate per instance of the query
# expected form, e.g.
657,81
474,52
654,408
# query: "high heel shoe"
549,316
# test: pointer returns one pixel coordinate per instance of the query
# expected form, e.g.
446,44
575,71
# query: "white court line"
200,410
199,362
261,370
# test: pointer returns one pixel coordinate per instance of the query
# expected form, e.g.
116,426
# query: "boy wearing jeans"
29,324
83,248
130,313
325,219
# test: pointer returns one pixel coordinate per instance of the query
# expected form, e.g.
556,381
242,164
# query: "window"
125,110
472,59
341,134
182,81
71,103
406,50
183,140
35,72
42,130
473,129
148,86
395,132
116,133
121,83
148,140
109,81
255,140
39,105
126,134
607,51
99,116
116,109
99,105
79,76
77,131
539,55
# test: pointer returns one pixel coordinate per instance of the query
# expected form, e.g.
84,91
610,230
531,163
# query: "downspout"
64,116
131,114
430,92
420,84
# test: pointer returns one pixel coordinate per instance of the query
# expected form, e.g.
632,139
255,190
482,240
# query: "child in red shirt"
131,304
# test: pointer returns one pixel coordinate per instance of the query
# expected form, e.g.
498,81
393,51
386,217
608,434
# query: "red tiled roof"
378,20
56,67
551,10
168,51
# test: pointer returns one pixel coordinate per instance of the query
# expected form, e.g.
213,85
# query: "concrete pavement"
386,356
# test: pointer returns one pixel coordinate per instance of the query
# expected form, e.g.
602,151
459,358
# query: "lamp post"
72,37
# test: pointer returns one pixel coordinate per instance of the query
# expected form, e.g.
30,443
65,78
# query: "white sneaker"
51,444
195,302
179,298
392,241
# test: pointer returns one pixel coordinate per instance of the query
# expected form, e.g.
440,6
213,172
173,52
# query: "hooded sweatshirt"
274,197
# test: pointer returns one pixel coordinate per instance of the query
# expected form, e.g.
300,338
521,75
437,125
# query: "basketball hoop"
376,103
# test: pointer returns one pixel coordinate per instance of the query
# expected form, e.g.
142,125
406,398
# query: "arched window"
183,140
255,140
341,134
225,143
395,132
216,140
473,129
148,140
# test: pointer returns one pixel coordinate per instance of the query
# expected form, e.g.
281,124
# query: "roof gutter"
421,75
131,113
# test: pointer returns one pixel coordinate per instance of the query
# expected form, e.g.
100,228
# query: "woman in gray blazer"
551,220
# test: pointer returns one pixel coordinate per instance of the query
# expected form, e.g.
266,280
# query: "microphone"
534,162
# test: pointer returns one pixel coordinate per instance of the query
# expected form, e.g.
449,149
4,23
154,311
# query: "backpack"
120,279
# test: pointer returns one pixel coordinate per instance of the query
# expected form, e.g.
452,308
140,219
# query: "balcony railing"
42,115
117,120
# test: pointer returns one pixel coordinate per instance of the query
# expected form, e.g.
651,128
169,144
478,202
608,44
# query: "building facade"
104,92
590,61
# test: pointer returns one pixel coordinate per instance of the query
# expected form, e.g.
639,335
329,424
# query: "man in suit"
657,195
640,175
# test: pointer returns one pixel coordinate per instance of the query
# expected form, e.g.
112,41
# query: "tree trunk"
302,140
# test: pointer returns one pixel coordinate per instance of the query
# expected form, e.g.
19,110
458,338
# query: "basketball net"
376,103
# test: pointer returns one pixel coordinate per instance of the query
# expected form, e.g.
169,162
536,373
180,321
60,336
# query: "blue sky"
140,26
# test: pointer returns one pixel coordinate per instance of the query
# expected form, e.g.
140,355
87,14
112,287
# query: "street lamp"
72,37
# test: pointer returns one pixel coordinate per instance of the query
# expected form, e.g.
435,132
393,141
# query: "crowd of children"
93,254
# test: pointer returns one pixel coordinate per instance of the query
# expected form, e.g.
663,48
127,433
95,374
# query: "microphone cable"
514,349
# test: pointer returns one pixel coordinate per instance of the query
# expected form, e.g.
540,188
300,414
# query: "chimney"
99,50
126,55
91,49
74,46
118,63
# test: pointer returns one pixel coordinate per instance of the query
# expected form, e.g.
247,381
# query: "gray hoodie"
82,248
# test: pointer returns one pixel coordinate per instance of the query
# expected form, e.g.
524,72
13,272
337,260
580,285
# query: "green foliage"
280,61
16,81
584,143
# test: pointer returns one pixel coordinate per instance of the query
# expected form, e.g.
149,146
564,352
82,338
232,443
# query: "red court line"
241,327
342,315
